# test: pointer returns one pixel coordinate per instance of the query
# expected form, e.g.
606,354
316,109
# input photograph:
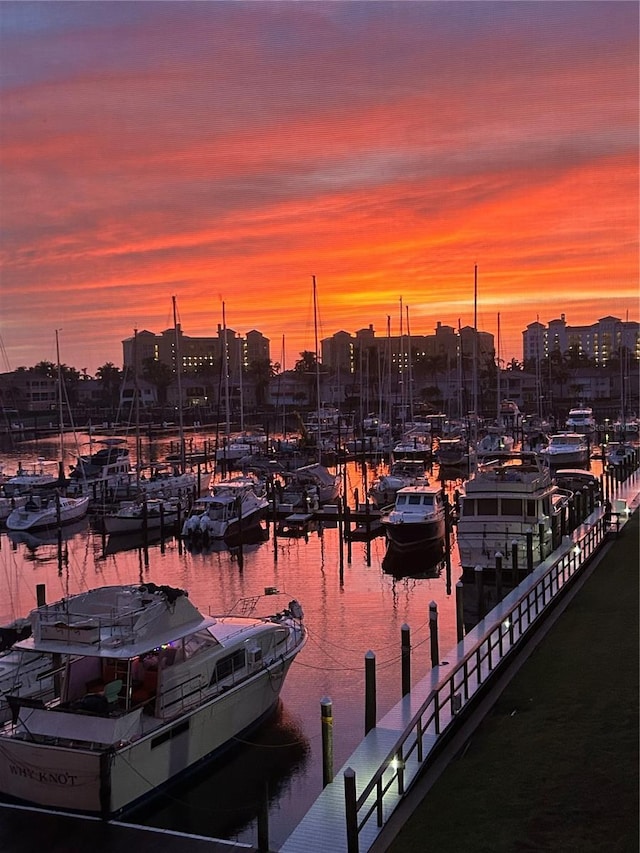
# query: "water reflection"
224,797
237,545
422,563
47,536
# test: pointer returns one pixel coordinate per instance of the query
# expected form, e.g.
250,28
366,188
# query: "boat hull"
410,536
137,523
110,781
70,509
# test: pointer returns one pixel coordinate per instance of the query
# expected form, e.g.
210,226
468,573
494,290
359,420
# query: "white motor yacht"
146,687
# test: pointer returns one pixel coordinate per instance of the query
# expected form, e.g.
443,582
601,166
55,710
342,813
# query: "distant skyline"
228,151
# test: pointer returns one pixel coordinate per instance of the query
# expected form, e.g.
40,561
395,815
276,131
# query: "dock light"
397,763
576,549
271,590
506,624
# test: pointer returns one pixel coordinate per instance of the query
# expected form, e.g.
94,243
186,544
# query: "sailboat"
160,480
52,509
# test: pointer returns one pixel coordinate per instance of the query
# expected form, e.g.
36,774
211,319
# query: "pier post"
347,529
263,820
447,542
340,542
479,580
433,633
460,611
514,562
326,713
541,539
351,810
529,551
41,594
498,576
406,659
369,691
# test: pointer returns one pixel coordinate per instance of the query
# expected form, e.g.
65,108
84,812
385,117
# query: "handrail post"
351,810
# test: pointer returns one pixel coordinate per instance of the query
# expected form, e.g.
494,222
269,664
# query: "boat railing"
479,655
186,694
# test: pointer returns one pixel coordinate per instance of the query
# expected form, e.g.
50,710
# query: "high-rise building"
598,341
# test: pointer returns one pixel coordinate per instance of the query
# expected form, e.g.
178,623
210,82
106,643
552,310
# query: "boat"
23,674
404,472
455,451
47,511
103,471
147,688
501,506
145,514
576,480
233,505
495,442
413,445
155,481
314,476
8,504
620,453
510,416
580,419
567,449
24,481
417,519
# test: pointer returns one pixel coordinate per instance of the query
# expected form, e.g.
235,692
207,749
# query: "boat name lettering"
46,776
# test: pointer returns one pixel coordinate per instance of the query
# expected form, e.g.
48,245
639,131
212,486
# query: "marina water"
351,605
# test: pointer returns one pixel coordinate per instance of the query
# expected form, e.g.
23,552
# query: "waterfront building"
195,353
598,341
366,353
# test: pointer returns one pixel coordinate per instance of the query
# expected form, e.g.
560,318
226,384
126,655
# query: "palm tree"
159,374
110,381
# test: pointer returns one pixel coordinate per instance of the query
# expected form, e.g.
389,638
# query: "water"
348,612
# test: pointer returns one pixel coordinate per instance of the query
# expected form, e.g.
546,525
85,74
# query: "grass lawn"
554,767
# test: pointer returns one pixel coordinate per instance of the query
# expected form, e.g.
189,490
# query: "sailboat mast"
498,376
409,372
136,391
475,340
315,331
178,358
60,391
226,372
240,365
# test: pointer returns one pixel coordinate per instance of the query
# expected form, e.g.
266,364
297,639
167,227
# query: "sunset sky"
226,152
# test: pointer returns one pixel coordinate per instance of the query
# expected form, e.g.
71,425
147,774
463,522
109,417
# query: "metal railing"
481,653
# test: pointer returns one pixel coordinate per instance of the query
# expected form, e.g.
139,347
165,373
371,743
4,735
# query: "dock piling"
433,633
406,659
369,691
326,715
